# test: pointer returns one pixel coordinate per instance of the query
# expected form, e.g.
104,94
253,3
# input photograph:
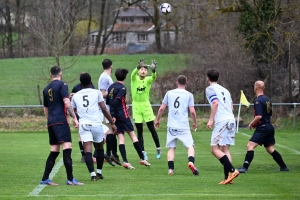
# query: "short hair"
85,79
213,75
55,71
182,80
121,74
106,63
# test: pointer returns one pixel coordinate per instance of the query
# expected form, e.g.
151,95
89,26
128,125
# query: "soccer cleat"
242,170
94,178
145,162
107,159
193,168
128,166
83,159
223,182
284,169
145,155
99,176
48,182
158,153
171,172
74,182
116,160
232,175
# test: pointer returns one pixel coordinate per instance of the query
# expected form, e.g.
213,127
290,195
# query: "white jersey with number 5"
224,112
86,102
178,102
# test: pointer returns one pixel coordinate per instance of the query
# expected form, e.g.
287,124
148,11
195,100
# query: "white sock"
99,171
93,174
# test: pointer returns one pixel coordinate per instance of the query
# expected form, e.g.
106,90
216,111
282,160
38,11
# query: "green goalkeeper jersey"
140,89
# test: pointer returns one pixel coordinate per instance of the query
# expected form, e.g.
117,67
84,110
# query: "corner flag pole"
244,101
238,118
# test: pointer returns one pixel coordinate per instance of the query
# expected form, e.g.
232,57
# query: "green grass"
20,77
24,155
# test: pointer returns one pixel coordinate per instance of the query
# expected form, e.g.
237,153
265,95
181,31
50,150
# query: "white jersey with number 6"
178,102
217,92
86,102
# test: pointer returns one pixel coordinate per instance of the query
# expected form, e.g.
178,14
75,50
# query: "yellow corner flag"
244,100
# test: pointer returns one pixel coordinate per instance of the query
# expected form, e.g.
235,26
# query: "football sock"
100,158
139,128
277,157
93,174
227,164
49,164
81,148
89,161
123,152
99,171
114,145
192,159
95,151
154,133
248,159
138,149
171,164
108,144
68,163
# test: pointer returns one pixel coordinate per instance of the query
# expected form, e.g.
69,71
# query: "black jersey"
53,95
263,108
116,99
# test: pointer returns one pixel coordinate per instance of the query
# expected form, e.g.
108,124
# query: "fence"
157,105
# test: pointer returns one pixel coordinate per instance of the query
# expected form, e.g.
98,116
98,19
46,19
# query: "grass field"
24,155
20,77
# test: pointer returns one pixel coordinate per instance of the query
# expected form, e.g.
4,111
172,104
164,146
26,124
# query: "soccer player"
86,103
223,134
179,101
104,82
116,99
75,89
264,131
56,105
141,107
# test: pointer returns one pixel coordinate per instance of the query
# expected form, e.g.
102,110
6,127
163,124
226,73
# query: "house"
134,31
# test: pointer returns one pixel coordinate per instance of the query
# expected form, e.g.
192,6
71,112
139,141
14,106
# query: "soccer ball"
165,8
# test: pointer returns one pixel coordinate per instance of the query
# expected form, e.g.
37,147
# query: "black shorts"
124,125
264,135
59,133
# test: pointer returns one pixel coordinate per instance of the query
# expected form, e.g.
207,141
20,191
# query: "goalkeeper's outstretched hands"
141,63
153,66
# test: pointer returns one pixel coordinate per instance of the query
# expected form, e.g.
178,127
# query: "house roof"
136,12
146,27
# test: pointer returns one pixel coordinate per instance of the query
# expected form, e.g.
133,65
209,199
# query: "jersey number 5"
85,101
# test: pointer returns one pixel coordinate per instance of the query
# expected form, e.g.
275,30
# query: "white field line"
278,145
39,187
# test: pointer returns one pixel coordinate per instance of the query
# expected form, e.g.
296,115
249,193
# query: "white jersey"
86,102
104,81
224,112
178,102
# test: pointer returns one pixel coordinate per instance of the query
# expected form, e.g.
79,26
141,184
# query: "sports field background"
23,156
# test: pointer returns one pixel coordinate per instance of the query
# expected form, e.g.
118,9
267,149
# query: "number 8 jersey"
178,102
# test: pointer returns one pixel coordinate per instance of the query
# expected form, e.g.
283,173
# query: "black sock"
154,133
192,159
81,148
108,144
277,157
89,161
68,163
114,146
100,158
248,159
227,164
95,150
171,164
138,149
49,164
139,128
123,152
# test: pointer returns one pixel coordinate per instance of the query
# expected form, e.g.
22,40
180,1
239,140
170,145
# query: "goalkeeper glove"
153,66
141,63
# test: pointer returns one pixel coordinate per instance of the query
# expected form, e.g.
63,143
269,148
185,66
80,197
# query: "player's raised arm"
141,63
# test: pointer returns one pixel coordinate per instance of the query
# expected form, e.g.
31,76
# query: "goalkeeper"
141,107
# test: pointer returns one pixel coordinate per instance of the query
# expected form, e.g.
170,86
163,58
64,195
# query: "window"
127,20
119,37
146,19
142,37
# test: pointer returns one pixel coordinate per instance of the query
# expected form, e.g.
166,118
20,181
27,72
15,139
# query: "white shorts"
223,133
183,135
92,133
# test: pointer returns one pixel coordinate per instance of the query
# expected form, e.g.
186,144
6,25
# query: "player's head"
142,71
106,64
121,74
181,80
259,86
212,75
85,79
55,72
